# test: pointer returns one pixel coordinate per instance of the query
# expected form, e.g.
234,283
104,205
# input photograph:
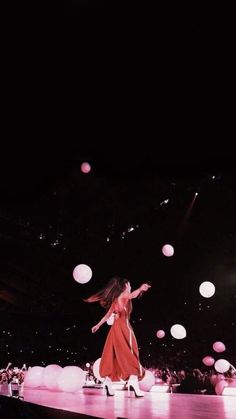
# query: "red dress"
120,356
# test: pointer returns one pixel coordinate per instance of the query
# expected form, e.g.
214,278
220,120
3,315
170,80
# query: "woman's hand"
144,287
95,328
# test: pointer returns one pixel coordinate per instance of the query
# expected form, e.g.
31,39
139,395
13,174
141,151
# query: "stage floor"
94,402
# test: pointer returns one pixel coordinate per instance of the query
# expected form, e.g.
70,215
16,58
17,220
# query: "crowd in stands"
188,380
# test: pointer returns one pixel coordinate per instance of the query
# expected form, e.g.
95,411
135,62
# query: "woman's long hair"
109,293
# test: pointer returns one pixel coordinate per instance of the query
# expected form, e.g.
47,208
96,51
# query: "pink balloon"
71,379
34,377
50,376
160,334
219,347
147,381
220,387
168,250
208,361
85,167
213,379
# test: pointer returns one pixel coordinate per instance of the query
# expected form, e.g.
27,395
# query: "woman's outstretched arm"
104,319
135,293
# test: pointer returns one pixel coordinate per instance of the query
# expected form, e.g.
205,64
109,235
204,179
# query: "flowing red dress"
120,356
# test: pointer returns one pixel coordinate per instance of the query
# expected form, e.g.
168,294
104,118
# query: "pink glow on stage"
50,376
160,334
82,273
168,250
219,347
208,361
85,167
156,403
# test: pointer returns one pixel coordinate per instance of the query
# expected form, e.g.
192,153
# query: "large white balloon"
34,377
222,365
50,376
168,250
178,331
207,289
71,379
147,381
96,366
82,273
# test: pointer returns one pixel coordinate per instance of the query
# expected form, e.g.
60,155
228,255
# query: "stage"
93,402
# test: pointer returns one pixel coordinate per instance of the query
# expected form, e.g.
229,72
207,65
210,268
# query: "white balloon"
147,381
207,289
50,376
178,331
34,377
96,366
222,365
168,250
71,379
82,273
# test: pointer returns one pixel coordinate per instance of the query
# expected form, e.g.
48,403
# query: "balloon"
85,167
178,331
160,334
34,377
208,361
71,379
111,319
213,379
221,365
219,347
96,367
82,273
168,250
50,376
207,289
220,387
147,381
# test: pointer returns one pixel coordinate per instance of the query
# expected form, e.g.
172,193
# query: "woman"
120,356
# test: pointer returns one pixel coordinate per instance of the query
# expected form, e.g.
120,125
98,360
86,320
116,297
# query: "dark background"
144,95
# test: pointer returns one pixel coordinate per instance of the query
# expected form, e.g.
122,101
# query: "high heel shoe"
108,387
133,386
